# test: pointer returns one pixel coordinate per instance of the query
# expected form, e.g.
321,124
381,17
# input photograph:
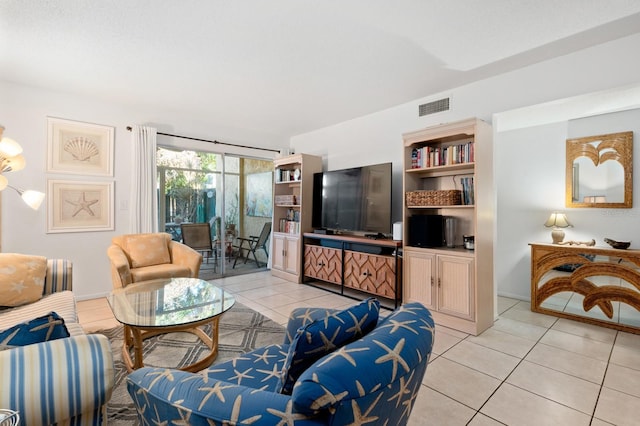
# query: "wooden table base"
134,340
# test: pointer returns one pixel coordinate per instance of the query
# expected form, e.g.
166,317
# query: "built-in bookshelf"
292,210
448,176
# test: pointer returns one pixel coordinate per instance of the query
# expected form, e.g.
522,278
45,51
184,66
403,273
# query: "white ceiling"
285,67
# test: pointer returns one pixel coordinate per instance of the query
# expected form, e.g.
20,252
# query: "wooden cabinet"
448,174
292,210
323,263
286,253
370,273
355,263
443,283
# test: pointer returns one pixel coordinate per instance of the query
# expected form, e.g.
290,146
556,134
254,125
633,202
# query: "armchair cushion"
41,329
323,336
147,250
21,278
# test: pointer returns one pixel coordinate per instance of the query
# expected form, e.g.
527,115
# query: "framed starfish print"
79,206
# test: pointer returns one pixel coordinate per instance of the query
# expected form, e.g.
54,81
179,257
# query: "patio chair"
198,237
253,243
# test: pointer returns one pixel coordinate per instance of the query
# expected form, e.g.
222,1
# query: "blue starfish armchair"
334,367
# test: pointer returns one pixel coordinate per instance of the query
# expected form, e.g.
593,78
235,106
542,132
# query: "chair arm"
184,255
59,380
58,277
176,397
120,268
302,316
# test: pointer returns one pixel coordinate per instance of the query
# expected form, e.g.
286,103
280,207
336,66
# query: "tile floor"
528,369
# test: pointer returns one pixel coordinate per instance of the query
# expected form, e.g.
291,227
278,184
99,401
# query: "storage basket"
285,200
448,197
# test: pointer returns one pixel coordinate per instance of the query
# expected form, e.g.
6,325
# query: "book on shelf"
434,156
468,196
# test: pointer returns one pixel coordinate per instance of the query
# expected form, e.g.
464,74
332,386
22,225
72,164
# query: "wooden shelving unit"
456,284
292,210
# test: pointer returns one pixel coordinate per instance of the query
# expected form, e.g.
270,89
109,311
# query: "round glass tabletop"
169,302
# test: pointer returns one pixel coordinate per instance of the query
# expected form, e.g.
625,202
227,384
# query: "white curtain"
144,201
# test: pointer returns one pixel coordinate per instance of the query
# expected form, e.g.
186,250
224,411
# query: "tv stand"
348,262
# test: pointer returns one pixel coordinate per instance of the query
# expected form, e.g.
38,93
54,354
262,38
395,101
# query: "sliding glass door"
200,187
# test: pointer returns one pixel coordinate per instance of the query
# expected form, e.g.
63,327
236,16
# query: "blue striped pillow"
42,329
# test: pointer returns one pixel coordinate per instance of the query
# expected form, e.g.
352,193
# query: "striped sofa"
64,381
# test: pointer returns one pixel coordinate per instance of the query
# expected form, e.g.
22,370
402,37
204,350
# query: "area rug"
240,330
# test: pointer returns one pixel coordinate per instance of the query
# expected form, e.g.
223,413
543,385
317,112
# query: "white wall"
23,112
377,138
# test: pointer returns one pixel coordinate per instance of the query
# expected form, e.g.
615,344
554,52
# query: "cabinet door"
323,263
370,273
277,258
419,278
456,286
292,255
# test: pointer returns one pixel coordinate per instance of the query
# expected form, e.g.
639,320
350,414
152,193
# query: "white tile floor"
528,369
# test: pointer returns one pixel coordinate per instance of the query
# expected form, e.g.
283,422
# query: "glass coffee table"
150,308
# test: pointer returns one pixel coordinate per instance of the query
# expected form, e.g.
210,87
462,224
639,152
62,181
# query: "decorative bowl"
622,245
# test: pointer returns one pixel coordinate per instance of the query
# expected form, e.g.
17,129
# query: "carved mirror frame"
610,147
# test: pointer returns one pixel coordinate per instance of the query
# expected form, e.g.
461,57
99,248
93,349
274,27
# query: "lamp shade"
9,147
557,220
32,198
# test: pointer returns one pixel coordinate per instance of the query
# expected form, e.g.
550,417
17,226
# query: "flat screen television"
356,199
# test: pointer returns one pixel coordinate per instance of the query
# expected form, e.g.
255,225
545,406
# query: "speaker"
397,231
426,231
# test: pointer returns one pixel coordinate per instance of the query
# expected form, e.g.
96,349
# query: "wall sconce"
557,221
11,160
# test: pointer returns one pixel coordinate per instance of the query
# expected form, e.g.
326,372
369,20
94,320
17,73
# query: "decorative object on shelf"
80,206
79,148
469,242
589,243
621,245
11,160
557,221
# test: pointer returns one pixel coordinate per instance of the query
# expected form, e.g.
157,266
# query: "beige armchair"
143,257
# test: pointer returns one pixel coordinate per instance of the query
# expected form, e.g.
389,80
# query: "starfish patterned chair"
334,367
143,257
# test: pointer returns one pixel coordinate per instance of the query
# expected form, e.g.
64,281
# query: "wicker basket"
449,197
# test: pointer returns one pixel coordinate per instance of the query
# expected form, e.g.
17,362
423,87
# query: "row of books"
468,196
289,226
433,156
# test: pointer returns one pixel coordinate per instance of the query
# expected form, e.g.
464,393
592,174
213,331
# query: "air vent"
433,107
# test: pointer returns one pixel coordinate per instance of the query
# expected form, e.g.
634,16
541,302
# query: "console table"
596,285
351,262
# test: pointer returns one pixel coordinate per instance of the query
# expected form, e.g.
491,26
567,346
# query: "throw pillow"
41,329
21,278
323,336
147,250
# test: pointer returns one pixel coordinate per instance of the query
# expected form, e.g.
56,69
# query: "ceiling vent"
433,107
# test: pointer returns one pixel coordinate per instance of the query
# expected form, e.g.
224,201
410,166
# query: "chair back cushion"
378,375
323,336
145,249
21,278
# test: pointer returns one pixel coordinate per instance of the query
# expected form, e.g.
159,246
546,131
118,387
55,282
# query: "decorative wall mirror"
599,171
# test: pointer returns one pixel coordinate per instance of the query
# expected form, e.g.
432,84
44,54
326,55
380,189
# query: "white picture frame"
79,148
79,206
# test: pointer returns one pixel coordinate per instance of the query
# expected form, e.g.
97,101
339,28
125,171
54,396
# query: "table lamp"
557,221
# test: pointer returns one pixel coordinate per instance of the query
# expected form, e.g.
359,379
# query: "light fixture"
11,160
557,221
